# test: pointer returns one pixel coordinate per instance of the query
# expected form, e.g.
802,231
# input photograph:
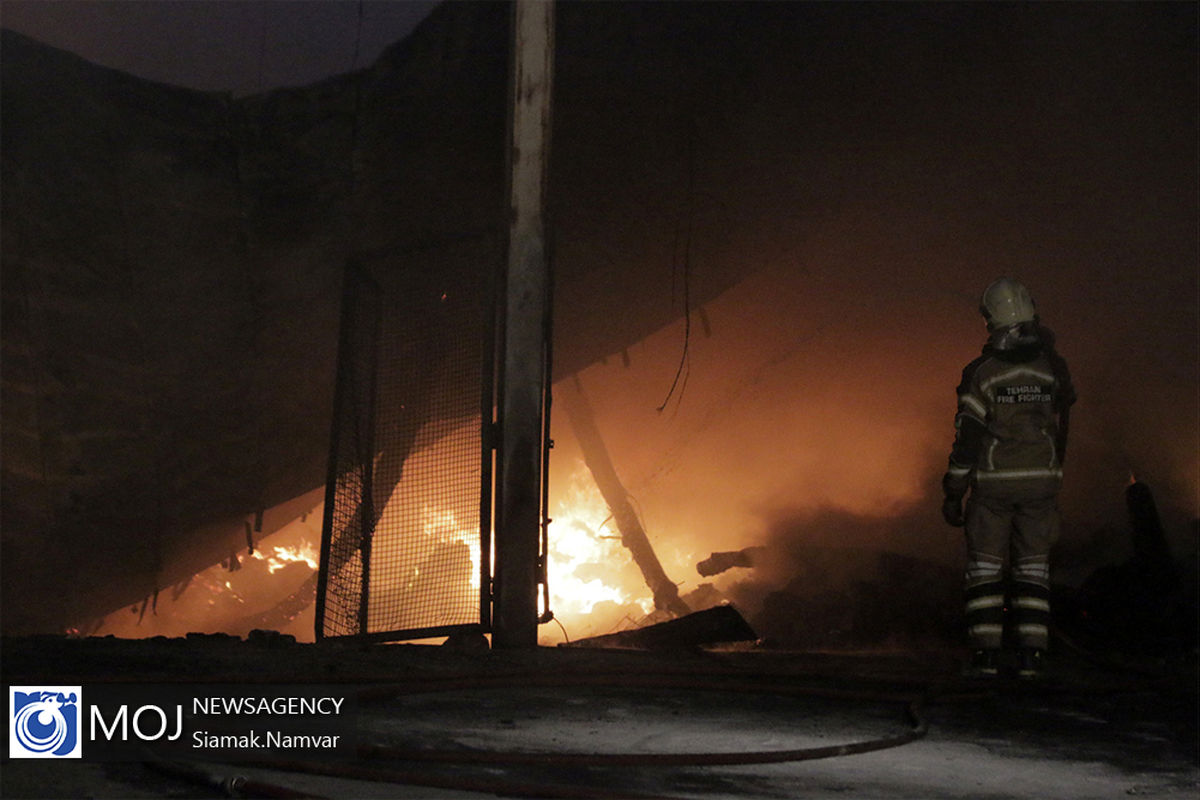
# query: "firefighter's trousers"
1007,530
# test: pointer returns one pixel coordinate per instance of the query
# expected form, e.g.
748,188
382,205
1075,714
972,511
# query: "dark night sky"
220,45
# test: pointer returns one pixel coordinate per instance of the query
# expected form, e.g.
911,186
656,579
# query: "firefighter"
1009,445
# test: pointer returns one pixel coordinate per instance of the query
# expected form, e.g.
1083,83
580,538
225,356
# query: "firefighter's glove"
952,511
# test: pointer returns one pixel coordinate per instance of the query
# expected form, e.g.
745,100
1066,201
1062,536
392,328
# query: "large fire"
595,587
588,565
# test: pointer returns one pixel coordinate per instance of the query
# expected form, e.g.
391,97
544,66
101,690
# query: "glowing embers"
272,588
594,585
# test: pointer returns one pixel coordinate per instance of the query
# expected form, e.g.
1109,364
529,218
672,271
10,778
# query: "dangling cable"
682,369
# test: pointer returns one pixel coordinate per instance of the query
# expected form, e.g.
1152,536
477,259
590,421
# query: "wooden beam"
633,535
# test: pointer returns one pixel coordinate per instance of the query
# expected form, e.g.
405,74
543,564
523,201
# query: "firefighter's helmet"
1006,303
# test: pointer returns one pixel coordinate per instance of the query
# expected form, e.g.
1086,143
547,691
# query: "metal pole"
524,396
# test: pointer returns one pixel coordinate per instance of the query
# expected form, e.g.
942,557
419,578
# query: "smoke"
871,193
830,578
813,417
857,175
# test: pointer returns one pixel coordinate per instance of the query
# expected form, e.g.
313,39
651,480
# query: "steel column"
524,395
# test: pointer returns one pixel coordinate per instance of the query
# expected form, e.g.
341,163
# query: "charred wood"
717,563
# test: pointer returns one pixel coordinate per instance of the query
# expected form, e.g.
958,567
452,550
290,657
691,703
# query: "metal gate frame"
348,534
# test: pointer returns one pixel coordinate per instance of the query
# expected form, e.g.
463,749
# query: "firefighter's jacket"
1011,425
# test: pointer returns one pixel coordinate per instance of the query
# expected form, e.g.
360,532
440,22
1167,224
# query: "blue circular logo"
45,722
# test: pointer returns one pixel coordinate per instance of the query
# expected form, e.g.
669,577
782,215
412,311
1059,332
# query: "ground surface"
438,722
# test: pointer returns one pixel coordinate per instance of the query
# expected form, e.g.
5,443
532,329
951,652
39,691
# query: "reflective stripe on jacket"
1007,426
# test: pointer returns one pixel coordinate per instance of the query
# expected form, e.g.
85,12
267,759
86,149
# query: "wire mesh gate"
405,549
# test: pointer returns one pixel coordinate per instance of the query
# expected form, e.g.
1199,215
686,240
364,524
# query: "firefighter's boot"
984,663
1032,664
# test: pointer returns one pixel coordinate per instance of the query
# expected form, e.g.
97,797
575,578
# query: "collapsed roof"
173,258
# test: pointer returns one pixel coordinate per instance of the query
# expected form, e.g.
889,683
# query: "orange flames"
283,554
595,587
584,547
224,600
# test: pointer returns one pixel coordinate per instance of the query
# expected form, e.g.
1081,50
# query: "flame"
217,597
595,586
588,567
282,555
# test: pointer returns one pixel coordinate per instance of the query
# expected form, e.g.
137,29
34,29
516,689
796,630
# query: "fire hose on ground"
239,786
914,698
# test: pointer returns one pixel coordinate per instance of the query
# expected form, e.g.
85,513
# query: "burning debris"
271,587
725,561
633,535
594,586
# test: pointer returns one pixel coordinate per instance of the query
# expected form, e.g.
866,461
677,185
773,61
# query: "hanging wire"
688,225
566,637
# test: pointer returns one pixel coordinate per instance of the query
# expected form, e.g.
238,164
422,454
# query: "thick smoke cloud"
814,422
